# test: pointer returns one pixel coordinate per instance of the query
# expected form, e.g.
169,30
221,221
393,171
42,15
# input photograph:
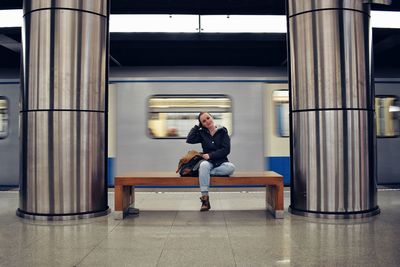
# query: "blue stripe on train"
280,165
111,171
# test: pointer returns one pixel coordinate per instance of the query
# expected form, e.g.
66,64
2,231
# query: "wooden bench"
125,187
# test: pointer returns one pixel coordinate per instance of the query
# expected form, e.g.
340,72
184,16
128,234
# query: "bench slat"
194,181
175,175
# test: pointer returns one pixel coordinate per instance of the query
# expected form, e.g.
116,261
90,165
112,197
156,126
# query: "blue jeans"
207,168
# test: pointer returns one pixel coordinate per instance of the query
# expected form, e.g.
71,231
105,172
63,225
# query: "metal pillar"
64,109
332,111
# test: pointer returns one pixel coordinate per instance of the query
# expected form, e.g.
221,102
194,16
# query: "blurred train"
151,110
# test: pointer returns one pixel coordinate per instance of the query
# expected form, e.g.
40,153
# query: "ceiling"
202,49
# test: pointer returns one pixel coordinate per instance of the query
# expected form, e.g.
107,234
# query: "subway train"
151,110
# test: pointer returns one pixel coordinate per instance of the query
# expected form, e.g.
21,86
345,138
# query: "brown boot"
205,203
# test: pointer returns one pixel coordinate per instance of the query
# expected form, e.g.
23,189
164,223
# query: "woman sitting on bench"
216,145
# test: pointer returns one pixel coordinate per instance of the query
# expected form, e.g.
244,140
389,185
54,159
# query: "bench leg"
124,196
274,200
131,210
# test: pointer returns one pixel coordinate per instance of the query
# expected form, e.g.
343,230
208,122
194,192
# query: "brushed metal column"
63,115
332,111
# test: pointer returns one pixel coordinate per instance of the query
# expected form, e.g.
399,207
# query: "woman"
216,146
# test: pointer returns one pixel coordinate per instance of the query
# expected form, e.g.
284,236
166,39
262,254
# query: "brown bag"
188,162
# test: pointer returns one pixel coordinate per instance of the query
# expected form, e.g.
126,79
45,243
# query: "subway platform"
170,231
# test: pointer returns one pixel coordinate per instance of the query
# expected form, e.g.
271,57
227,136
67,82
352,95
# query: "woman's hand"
206,156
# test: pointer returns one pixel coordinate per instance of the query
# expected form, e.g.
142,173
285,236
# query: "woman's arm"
194,136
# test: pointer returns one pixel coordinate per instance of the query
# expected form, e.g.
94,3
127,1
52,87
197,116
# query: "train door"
387,113
276,130
9,143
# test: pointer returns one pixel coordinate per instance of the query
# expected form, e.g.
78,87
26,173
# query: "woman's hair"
201,113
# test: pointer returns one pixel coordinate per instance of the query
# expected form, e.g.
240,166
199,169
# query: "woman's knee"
230,168
225,168
205,166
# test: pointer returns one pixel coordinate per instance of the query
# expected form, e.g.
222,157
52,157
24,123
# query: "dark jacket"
217,147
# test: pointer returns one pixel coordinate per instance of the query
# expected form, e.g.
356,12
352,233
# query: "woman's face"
206,120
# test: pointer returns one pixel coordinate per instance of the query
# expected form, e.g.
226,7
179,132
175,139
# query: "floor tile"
42,256
121,257
203,256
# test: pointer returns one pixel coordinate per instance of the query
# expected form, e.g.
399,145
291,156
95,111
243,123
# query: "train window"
172,116
281,103
3,117
387,118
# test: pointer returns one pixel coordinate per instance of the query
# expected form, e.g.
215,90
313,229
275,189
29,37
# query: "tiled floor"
171,232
